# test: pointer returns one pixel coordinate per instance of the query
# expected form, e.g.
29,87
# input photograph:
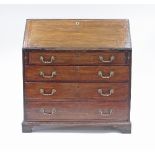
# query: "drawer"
45,91
51,111
77,73
78,58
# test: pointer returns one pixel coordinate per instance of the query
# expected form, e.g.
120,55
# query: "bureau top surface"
77,34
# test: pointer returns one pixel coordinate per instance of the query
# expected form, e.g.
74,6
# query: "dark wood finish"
77,111
77,96
75,91
77,73
77,126
78,57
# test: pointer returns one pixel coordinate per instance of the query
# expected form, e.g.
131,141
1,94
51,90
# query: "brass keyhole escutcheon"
77,23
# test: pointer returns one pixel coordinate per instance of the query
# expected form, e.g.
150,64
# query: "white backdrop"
13,141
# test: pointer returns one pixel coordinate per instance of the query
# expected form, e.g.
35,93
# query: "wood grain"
75,91
76,47
77,73
78,57
77,111
73,34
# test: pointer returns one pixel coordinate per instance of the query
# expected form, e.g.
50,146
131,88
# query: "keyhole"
77,23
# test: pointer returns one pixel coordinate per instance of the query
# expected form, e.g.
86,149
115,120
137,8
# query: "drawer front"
78,58
43,111
77,73
36,91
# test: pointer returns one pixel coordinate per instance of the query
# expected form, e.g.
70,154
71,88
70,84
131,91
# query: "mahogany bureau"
77,75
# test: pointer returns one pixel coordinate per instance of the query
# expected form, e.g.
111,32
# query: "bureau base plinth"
122,127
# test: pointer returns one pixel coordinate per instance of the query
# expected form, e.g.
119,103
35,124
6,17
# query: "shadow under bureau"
77,75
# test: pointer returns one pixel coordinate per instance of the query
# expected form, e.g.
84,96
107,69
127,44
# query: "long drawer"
77,73
78,58
45,91
43,111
